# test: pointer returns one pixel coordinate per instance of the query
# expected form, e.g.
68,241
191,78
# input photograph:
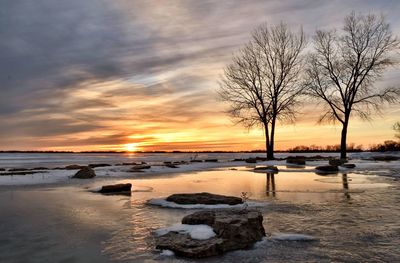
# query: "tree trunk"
266,138
343,139
270,153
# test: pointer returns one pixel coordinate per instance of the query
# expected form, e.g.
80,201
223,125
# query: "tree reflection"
345,183
270,184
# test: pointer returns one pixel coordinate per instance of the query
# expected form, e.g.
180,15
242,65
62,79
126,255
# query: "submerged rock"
234,229
85,173
327,168
204,198
116,189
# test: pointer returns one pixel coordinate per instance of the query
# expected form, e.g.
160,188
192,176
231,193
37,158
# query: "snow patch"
292,237
167,253
164,203
199,232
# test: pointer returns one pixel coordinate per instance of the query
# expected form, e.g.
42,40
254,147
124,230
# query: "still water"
354,217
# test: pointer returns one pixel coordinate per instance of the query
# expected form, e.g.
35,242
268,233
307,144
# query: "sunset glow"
153,84
131,147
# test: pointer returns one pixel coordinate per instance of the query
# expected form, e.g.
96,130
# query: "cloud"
79,72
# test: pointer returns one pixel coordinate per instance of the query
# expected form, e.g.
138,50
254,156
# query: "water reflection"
345,184
270,189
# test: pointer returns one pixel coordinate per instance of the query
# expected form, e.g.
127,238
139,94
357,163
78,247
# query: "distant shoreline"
185,152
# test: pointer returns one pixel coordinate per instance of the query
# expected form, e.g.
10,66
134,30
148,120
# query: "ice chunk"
199,232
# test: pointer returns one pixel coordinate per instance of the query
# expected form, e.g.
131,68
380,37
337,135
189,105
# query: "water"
353,215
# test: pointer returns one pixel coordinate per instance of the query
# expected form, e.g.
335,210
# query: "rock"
262,159
171,165
251,160
2,169
183,245
211,160
238,160
39,168
386,158
235,229
74,167
95,165
349,165
140,167
116,189
133,163
204,198
337,162
327,169
196,161
269,168
18,169
297,160
18,173
85,173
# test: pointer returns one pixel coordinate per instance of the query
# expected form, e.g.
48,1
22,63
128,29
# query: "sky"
143,75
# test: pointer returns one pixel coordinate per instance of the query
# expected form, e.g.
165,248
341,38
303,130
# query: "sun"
131,147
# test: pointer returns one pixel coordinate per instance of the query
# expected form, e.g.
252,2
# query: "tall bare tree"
344,66
396,128
262,84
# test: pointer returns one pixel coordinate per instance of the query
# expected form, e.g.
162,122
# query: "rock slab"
235,229
85,173
204,198
116,189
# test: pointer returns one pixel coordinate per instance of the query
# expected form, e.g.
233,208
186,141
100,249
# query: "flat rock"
251,160
211,160
349,165
337,162
235,229
297,160
74,167
204,198
140,167
95,165
171,165
85,173
116,189
385,158
327,168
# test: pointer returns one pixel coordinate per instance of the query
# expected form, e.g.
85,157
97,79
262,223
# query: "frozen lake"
64,222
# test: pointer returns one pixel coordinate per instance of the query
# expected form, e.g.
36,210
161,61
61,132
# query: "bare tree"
343,68
396,128
262,82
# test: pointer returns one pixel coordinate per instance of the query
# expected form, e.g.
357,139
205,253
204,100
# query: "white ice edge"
164,203
59,176
292,237
199,232
167,253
